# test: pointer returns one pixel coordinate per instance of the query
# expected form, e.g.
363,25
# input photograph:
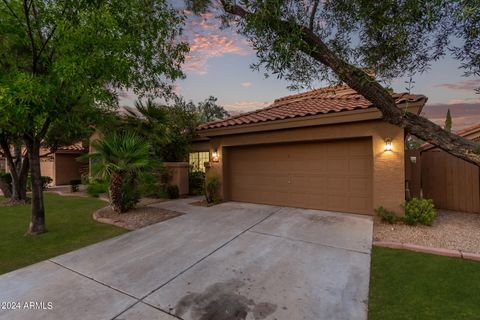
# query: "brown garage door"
334,175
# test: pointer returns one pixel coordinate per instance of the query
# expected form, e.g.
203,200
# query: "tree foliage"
170,128
448,122
62,59
313,40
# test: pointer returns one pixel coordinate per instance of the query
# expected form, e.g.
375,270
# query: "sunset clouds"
466,85
243,106
207,40
246,84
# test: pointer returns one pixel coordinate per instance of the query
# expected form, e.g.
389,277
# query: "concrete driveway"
227,262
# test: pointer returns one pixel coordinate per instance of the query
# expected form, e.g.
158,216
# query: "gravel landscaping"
451,230
135,219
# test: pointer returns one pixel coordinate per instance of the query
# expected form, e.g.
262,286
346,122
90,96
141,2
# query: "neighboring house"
63,165
324,149
451,182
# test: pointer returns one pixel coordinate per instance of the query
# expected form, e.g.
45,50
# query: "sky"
219,60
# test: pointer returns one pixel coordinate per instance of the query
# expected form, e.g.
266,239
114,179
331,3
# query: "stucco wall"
67,168
47,166
388,166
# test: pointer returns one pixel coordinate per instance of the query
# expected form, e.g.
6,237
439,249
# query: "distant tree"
209,110
182,122
313,40
59,57
150,121
448,122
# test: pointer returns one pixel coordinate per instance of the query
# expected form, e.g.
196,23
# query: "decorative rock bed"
457,232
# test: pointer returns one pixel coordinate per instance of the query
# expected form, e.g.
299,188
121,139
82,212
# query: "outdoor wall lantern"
388,144
215,156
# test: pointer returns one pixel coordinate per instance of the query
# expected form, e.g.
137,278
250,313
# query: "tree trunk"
368,87
37,222
18,167
115,191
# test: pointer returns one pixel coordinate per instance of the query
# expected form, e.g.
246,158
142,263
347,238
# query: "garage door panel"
359,165
334,175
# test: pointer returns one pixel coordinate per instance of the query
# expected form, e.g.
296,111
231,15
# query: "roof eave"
370,113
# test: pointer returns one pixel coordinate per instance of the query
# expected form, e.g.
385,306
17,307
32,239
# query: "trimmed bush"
212,186
386,215
97,188
45,182
6,184
172,192
196,182
74,184
419,211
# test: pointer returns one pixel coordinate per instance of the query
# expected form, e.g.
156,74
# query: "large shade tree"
60,57
313,40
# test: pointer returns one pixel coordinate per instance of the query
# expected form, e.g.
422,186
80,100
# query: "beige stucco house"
324,149
62,165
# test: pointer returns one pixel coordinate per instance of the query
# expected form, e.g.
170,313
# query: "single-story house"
452,183
63,165
324,149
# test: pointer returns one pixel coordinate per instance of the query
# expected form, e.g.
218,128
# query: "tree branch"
367,86
13,13
26,9
312,15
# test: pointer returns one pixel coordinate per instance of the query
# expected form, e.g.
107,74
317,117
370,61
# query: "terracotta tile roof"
475,129
469,130
74,147
319,101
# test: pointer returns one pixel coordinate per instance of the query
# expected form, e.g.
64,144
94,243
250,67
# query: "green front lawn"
69,223
410,285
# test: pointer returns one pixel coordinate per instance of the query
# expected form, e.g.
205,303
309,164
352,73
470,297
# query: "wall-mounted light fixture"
388,144
215,156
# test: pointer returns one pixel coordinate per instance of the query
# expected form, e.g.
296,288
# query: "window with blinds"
197,160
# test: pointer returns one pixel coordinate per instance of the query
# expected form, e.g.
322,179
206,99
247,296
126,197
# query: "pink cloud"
467,85
463,114
246,84
207,40
244,106
465,100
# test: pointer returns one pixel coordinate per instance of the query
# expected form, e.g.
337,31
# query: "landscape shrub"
6,184
419,211
172,192
74,184
45,182
130,196
386,215
196,182
97,188
212,186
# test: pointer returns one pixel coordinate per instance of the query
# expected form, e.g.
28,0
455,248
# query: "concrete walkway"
231,261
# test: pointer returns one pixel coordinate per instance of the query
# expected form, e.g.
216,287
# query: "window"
197,160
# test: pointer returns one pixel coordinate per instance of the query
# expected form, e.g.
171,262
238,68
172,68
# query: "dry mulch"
137,218
450,230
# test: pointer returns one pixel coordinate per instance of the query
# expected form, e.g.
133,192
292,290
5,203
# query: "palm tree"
121,159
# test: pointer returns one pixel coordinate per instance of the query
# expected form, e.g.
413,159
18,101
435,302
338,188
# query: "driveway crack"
309,242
